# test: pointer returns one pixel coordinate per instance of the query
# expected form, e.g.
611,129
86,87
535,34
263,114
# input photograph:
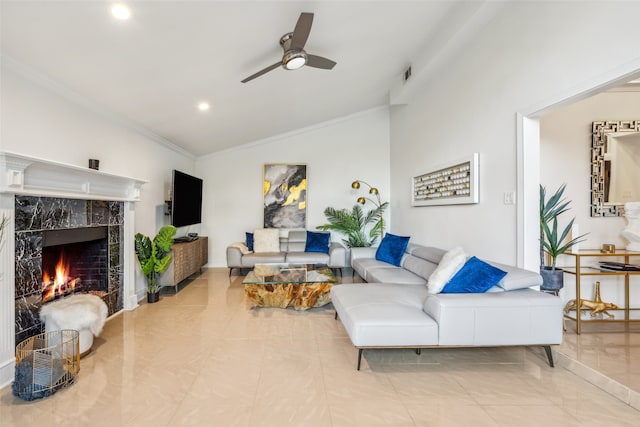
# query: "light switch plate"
509,198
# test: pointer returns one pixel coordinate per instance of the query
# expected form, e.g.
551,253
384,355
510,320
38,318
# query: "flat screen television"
186,203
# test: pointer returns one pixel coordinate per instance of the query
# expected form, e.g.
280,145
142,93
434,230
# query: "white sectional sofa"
400,312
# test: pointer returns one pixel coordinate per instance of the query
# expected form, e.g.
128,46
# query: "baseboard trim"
7,370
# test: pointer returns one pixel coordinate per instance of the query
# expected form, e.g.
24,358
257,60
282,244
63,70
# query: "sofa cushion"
449,265
249,241
474,276
517,278
295,241
249,260
307,258
419,266
317,242
383,314
364,266
394,275
266,240
355,294
427,253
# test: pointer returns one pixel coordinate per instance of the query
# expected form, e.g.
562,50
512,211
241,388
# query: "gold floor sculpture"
597,306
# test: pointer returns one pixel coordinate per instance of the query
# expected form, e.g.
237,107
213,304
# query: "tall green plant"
154,255
352,223
552,241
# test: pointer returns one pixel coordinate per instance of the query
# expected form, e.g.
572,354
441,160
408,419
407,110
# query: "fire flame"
61,284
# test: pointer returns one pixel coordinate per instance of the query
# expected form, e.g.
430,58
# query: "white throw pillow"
449,265
266,240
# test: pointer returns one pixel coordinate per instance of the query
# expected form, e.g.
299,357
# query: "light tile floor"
607,355
204,357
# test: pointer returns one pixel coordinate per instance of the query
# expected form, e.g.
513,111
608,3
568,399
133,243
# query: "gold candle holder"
608,248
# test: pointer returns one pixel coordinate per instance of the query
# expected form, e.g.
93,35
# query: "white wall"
566,135
36,120
531,52
336,153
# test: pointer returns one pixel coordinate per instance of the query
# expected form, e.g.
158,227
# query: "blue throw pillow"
475,276
249,238
392,249
317,242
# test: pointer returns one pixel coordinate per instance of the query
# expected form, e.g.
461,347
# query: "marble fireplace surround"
41,219
22,175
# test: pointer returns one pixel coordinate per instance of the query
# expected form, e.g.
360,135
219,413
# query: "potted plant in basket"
154,257
551,241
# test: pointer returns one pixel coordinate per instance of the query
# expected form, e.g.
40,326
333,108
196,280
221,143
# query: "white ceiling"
153,69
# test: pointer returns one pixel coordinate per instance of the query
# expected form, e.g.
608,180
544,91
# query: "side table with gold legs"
596,309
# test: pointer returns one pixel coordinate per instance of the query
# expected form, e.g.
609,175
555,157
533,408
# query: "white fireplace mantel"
20,174
25,175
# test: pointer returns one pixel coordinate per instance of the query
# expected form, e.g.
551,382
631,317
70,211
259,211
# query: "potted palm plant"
551,241
352,224
154,257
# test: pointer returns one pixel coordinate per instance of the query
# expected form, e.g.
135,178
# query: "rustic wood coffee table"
300,286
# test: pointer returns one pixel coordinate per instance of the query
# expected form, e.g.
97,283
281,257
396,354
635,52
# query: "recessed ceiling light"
120,11
203,106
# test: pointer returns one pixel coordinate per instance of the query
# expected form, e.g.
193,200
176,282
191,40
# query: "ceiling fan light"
294,60
120,11
295,63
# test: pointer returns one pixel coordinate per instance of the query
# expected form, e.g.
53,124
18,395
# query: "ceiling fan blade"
320,62
263,71
302,30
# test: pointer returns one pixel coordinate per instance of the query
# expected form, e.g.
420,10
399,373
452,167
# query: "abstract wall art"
285,196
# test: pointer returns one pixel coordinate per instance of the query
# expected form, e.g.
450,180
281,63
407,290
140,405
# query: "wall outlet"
509,198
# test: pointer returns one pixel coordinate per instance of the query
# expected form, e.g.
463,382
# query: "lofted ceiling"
153,69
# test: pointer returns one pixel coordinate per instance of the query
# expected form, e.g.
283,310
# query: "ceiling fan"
294,54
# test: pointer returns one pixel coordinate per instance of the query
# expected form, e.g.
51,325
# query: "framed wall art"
451,184
285,196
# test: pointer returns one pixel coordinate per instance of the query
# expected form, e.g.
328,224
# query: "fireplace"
38,196
65,246
74,260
